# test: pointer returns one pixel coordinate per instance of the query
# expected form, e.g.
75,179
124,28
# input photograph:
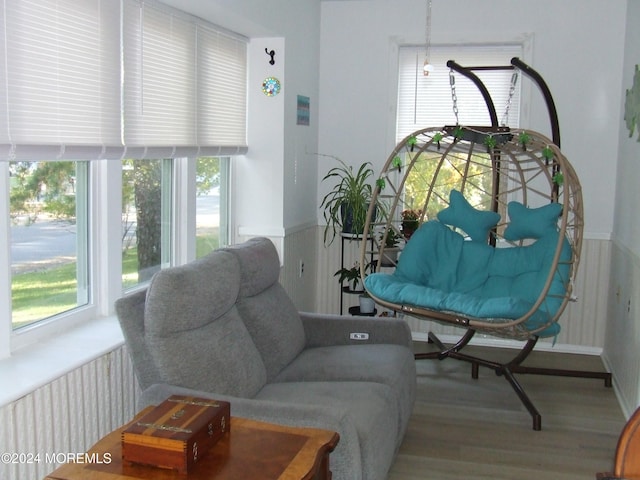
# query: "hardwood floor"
463,428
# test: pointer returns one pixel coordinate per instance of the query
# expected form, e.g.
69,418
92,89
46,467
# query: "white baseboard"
514,344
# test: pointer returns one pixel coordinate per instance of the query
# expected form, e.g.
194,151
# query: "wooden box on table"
177,433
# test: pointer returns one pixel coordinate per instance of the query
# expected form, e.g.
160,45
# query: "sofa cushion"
460,214
388,364
192,324
527,222
267,311
371,406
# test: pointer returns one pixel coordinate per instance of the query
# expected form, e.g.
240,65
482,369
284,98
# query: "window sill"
32,367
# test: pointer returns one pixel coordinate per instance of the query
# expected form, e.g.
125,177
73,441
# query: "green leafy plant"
347,203
350,275
410,222
391,239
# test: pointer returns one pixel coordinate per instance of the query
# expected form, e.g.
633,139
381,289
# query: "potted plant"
390,251
347,203
351,276
410,222
367,304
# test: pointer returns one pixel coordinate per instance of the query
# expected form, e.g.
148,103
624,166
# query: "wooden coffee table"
252,449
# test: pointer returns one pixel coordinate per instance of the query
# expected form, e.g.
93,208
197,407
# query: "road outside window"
48,209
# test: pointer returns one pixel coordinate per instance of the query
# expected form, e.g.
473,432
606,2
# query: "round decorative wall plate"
271,86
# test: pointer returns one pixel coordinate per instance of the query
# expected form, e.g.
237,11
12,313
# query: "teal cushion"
439,270
431,256
531,222
460,214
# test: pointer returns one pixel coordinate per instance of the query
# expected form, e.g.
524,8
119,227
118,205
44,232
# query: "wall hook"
272,54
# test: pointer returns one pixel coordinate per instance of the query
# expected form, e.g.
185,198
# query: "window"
146,219
49,239
427,101
81,224
212,213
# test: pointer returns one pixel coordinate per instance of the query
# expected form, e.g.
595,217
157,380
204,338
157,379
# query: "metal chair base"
508,369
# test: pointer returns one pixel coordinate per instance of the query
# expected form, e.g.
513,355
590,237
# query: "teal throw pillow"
460,214
531,222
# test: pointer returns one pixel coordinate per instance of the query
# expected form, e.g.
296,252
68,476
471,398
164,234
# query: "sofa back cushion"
269,314
194,332
130,310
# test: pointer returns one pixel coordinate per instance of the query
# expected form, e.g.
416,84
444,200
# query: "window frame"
104,247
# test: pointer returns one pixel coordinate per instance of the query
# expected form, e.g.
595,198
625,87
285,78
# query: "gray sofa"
223,327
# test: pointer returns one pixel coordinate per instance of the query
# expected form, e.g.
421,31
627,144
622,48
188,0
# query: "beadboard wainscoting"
67,416
622,344
300,264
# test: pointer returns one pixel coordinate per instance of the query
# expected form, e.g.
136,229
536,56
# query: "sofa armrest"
327,330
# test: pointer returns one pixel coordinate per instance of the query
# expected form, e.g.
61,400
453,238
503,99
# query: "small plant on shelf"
351,276
410,222
391,239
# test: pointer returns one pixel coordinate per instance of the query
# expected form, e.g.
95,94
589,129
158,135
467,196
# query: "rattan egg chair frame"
492,167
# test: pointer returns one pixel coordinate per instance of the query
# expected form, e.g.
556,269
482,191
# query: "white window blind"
59,78
184,83
426,101
222,77
75,85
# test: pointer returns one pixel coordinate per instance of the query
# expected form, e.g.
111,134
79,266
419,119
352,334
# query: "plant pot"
408,227
390,256
348,224
367,305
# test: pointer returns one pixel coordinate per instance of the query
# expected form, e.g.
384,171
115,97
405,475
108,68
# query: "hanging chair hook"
272,54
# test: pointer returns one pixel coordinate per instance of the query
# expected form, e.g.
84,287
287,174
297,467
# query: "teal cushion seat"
441,271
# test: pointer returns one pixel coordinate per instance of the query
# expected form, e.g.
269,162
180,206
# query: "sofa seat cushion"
380,363
371,406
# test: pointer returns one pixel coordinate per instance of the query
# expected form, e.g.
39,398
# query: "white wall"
627,227
276,181
622,348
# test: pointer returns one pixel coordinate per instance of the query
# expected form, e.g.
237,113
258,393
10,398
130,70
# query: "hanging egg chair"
499,219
